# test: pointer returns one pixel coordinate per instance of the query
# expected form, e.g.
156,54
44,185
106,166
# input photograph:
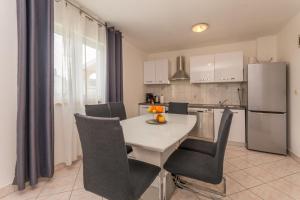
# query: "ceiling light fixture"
198,28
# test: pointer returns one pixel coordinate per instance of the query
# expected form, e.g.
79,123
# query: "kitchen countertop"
212,106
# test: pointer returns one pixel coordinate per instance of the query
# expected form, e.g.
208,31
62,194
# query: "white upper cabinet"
223,67
162,71
156,72
202,69
149,72
229,67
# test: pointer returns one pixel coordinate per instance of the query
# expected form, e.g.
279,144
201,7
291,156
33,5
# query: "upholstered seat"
193,165
142,175
199,146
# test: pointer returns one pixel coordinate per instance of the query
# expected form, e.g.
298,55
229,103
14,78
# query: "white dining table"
155,143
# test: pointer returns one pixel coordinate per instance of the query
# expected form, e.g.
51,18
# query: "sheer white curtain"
80,75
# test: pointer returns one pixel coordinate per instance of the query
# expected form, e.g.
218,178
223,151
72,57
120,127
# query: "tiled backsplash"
184,91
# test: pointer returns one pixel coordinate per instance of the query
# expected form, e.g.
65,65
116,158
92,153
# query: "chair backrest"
98,110
223,134
117,109
178,108
105,164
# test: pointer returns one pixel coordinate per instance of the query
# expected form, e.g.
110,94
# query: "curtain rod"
83,11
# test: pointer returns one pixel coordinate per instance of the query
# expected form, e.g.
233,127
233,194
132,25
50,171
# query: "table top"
157,137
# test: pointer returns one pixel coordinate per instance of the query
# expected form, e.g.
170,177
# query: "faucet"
221,103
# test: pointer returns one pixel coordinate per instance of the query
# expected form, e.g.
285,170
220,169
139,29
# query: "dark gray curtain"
35,152
115,65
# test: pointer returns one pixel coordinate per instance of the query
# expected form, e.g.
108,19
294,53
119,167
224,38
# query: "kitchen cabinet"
156,72
202,69
143,109
229,67
149,72
238,126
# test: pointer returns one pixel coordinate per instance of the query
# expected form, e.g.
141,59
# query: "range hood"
180,72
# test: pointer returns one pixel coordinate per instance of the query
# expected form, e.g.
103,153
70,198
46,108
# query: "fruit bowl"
158,117
155,109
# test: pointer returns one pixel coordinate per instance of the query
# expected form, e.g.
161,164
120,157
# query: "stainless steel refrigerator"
267,108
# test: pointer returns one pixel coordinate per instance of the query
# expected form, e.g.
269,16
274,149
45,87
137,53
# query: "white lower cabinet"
238,125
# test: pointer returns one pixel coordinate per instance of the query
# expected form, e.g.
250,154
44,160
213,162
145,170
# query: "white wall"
267,48
289,51
8,88
133,62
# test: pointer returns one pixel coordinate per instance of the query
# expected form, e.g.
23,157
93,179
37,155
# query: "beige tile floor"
250,175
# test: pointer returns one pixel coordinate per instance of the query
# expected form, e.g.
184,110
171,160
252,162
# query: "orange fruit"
161,119
159,109
157,117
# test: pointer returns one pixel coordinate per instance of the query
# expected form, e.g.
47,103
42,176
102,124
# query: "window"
58,68
89,55
89,71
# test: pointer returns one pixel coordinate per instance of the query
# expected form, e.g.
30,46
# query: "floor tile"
60,196
261,174
184,194
234,154
282,168
228,168
79,182
268,193
67,171
245,179
233,186
84,195
58,185
245,195
239,163
286,187
295,179
29,193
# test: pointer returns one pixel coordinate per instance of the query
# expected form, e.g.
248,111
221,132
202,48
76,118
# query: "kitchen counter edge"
211,106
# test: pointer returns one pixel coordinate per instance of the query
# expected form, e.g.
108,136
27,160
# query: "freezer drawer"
267,132
267,87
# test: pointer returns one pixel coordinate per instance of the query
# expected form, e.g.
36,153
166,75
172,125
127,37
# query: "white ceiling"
162,25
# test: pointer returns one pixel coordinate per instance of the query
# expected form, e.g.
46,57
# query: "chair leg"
184,185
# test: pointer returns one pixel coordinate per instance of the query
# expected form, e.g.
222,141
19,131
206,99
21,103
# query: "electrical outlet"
298,41
296,92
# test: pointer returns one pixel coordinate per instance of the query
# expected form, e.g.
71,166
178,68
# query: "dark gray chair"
178,108
201,146
203,166
98,110
108,110
106,169
117,109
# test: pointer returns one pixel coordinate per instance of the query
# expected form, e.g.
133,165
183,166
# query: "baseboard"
294,156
